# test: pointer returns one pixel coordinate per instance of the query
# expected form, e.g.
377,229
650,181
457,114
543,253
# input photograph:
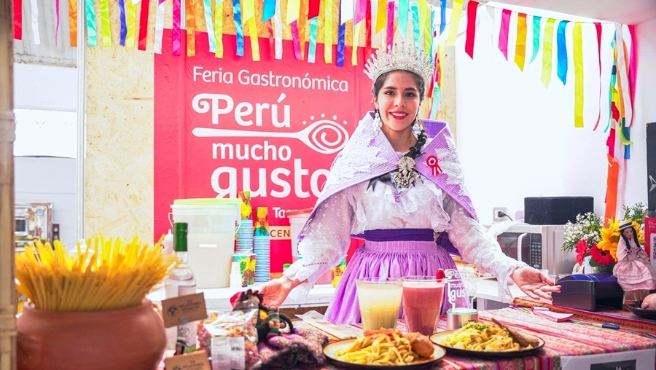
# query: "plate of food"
637,310
487,340
384,349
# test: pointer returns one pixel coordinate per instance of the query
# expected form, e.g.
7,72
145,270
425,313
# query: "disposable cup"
379,302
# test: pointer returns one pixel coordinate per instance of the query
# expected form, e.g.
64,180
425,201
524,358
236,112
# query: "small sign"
184,309
615,365
191,361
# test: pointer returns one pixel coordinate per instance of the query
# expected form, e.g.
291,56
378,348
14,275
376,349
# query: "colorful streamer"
105,23
124,26
57,20
296,41
341,40
428,39
248,21
293,11
536,37
577,37
598,31
435,106
456,14
504,29
312,50
18,19
561,45
35,21
611,187
520,44
622,76
143,24
218,28
404,8
190,27
470,36
442,16
389,39
380,15
328,32
415,23
354,48
90,15
72,22
131,21
360,10
346,9
209,24
160,14
238,28
277,33
547,52
177,33
269,10
632,68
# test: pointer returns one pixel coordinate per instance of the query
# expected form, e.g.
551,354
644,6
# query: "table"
568,345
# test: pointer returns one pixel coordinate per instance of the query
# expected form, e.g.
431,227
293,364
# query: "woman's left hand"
534,283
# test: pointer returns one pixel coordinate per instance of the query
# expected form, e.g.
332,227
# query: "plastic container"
297,219
211,239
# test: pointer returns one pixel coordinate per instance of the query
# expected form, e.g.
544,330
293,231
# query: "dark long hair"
626,240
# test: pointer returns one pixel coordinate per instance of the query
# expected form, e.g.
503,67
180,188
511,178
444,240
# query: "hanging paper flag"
622,76
177,33
131,21
218,28
293,11
190,27
380,15
404,8
209,24
435,107
389,40
328,32
360,11
72,22
106,26
520,43
561,44
632,69
269,10
160,14
124,26
614,113
57,20
35,21
428,39
456,13
547,54
296,41
18,19
248,22
312,51
367,29
442,16
536,36
577,37
504,29
346,9
239,33
143,24
277,22
611,187
598,31
341,40
90,14
472,8
415,24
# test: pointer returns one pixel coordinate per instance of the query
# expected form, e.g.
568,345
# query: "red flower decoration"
581,250
600,256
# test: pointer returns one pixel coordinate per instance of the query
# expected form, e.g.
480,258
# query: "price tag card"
181,310
615,365
191,361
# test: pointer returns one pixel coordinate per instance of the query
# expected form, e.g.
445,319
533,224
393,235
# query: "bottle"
167,244
181,282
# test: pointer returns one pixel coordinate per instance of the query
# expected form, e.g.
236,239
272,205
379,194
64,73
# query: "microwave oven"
538,246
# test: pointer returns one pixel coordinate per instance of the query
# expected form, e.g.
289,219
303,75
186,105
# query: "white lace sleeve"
325,244
478,247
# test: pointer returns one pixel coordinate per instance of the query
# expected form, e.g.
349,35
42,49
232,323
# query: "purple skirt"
390,253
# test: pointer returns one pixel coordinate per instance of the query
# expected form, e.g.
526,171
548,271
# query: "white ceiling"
629,12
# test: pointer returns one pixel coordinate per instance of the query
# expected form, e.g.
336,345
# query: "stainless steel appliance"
32,221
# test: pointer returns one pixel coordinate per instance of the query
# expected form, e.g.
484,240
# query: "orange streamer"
611,187
190,23
72,19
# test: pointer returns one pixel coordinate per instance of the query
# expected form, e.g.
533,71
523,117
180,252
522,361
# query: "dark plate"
437,338
640,312
331,353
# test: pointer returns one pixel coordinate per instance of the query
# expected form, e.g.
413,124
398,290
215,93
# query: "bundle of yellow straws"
109,274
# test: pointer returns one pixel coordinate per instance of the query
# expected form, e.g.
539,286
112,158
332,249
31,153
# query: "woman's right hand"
276,291
649,303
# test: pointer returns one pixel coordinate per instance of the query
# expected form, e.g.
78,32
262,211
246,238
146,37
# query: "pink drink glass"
422,302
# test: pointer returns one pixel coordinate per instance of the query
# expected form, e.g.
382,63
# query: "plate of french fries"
385,348
487,339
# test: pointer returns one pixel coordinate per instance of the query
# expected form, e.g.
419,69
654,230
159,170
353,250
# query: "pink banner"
503,32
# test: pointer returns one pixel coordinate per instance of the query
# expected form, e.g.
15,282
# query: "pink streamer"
360,11
177,13
632,67
503,32
56,20
390,23
296,41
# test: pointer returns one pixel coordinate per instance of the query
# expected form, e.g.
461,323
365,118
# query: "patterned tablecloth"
561,339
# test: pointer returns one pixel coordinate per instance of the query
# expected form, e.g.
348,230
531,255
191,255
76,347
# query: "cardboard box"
650,239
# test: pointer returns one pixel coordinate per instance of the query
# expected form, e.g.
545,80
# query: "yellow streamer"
218,28
381,16
190,27
426,24
356,42
455,21
328,32
131,15
293,11
578,75
105,24
255,45
441,54
520,44
547,56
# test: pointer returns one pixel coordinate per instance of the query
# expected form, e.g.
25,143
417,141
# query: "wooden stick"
7,222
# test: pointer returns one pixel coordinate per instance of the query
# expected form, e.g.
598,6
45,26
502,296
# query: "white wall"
517,138
43,178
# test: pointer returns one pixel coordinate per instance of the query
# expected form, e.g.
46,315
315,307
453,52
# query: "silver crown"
402,57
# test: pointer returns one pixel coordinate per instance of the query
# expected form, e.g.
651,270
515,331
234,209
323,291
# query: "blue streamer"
238,30
312,52
91,23
340,43
124,26
562,51
442,15
434,39
404,7
536,36
269,10
627,134
415,24
436,102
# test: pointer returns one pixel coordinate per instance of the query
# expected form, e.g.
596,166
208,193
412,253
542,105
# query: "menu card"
343,331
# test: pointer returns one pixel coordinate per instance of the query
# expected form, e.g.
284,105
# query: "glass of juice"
380,301
422,302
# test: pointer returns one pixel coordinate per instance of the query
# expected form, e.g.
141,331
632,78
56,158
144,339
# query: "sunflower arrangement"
596,241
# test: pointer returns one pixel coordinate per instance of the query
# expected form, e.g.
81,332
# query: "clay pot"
130,338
